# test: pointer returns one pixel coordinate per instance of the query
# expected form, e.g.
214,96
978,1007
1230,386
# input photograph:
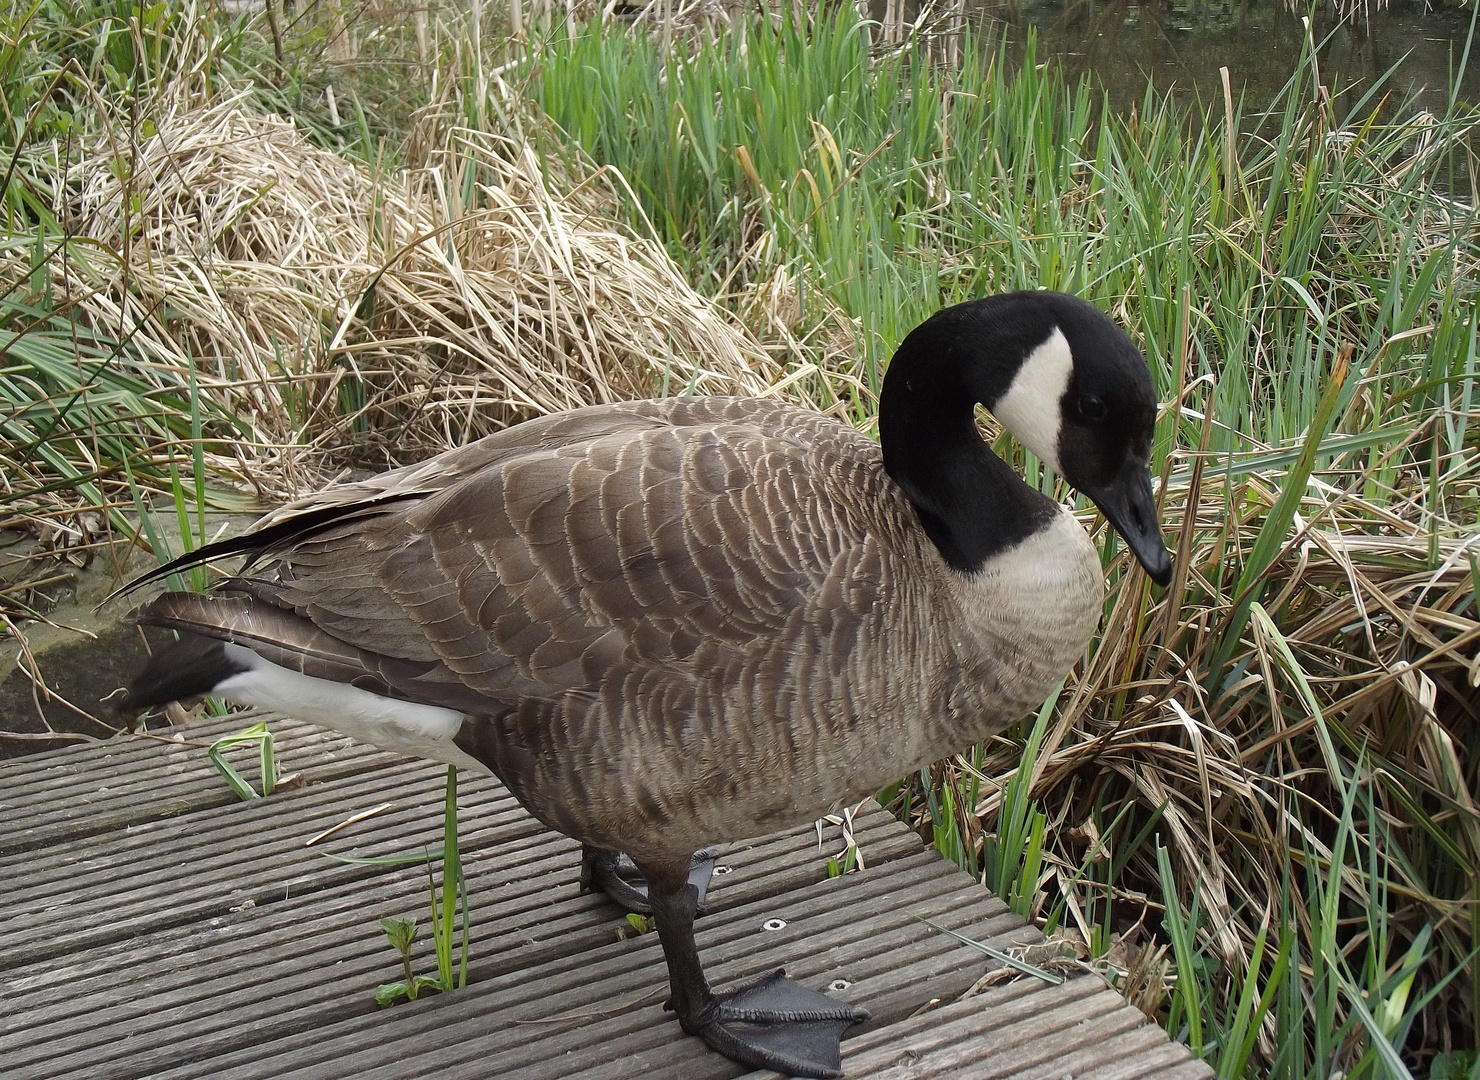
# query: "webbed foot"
613,873
774,1023
767,1023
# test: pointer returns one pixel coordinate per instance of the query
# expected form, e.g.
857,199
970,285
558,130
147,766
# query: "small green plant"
445,905
848,863
1454,1065
258,734
850,858
401,933
640,924
1012,858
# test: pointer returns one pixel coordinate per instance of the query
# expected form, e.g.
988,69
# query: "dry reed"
1377,659
342,317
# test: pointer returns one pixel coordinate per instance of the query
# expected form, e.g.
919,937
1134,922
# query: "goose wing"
541,561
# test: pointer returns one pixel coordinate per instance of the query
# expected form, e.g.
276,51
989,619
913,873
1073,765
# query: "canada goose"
668,623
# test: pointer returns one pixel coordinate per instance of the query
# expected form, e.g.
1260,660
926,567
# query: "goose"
665,624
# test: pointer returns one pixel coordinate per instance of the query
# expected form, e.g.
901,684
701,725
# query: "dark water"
1181,44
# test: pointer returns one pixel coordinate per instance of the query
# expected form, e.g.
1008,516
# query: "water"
1181,44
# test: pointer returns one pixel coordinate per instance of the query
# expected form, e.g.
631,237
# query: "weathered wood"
53,797
153,925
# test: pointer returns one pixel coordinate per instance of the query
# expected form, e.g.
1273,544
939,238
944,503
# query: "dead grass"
1376,660
342,317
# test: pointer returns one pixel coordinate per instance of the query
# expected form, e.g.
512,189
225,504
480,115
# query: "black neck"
971,505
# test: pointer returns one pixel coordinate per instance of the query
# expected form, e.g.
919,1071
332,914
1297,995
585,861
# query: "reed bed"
1252,805
211,265
393,315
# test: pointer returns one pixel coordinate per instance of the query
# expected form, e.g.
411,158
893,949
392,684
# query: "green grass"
898,187
448,907
85,414
258,734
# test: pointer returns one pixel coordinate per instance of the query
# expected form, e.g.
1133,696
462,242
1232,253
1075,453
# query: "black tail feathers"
192,666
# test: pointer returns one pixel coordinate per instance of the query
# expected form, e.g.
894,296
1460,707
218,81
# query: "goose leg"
615,874
766,1023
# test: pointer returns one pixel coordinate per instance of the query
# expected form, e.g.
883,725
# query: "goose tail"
211,627
191,667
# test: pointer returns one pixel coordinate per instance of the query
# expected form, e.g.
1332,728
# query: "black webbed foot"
767,1023
774,1023
613,873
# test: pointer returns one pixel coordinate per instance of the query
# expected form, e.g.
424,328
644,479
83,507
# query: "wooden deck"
153,925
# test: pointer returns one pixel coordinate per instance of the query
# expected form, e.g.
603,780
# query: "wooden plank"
190,935
1161,1060
524,905
87,791
1037,1035
525,999
286,954
508,1025
316,955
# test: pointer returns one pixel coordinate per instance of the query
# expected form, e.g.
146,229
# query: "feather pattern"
666,622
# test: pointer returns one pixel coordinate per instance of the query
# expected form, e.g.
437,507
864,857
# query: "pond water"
1181,44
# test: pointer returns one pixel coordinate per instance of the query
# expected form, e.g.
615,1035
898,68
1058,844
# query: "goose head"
1064,379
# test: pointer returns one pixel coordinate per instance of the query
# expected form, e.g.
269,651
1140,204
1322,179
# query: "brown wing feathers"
615,596
242,614
264,540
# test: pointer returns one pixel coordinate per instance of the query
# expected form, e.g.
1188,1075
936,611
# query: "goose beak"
1127,503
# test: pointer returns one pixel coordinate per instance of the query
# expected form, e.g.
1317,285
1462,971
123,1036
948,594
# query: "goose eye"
1091,408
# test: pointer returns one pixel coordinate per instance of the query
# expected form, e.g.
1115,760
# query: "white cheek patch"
1030,408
